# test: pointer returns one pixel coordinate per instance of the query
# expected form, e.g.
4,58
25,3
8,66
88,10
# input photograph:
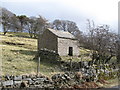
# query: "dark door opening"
70,51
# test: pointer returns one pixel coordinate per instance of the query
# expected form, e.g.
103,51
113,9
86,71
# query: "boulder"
23,85
18,78
17,82
7,83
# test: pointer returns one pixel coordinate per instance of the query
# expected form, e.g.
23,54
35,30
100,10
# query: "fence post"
38,66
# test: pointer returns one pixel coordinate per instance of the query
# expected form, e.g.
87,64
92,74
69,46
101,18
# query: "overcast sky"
100,11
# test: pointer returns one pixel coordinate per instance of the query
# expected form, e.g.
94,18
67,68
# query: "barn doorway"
70,51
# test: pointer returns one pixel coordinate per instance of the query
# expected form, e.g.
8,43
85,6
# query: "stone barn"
61,42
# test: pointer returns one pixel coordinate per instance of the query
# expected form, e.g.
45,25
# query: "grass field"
18,54
18,51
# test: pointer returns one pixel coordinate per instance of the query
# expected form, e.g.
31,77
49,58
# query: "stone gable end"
60,45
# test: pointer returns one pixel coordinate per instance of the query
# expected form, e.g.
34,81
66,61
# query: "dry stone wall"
60,80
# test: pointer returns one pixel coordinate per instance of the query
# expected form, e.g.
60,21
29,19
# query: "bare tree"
23,21
30,25
105,43
57,24
102,43
5,21
15,25
39,26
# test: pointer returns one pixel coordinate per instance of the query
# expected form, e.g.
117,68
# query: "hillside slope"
18,54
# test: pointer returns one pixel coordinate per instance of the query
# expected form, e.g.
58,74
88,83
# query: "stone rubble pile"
25,81
90,72
68,79
61,80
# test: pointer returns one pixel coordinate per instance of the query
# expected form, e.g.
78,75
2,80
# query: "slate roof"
62,34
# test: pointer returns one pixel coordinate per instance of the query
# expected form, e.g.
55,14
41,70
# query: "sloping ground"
18,54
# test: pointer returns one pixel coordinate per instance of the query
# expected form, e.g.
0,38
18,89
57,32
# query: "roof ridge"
58,30
62,34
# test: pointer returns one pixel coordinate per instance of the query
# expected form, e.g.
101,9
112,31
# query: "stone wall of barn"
64,44
47,40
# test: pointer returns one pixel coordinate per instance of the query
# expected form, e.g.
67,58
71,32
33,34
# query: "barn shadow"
48,57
